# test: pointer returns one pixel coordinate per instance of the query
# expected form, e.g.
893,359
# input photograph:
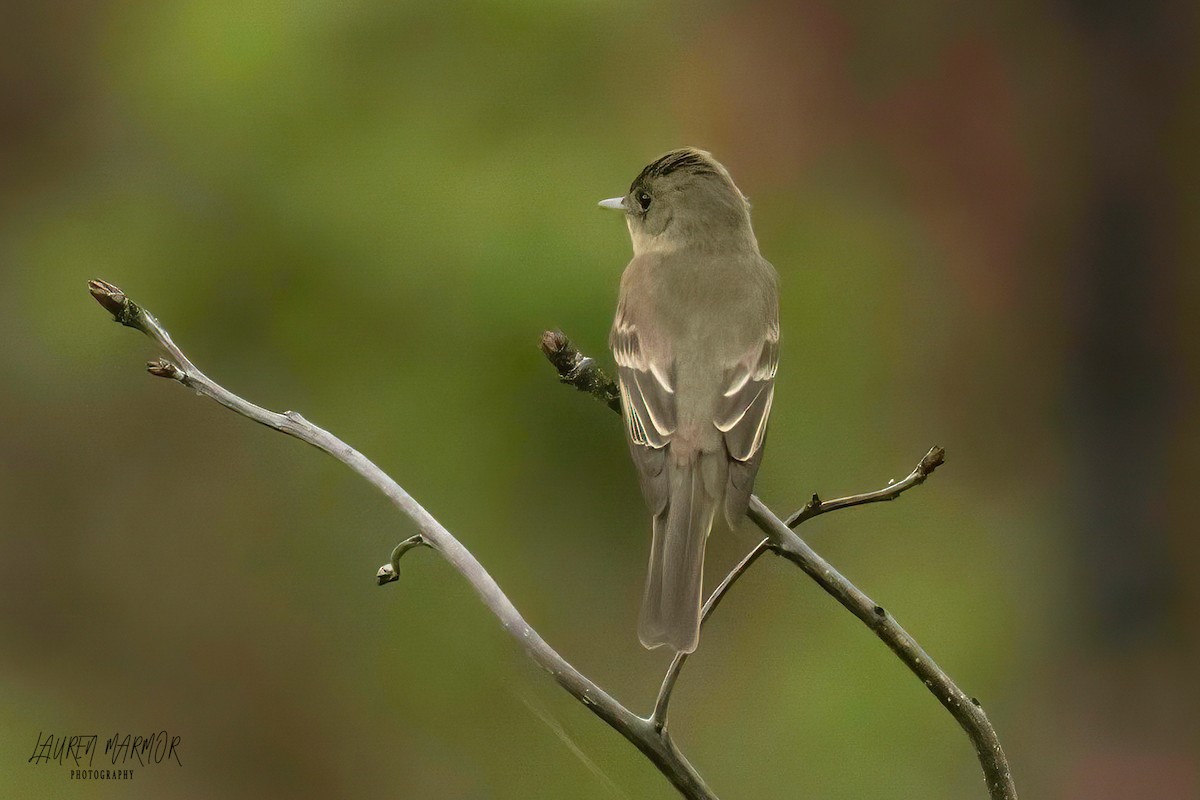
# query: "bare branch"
966,710
656,745
816,506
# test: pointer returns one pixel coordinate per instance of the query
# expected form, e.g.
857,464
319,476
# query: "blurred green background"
985,220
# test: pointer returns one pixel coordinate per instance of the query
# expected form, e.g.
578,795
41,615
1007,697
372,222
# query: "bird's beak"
614,202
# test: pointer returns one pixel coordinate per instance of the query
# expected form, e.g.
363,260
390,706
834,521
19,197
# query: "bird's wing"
746,402
648,402
742,416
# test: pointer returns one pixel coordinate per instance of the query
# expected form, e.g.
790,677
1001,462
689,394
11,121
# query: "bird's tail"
672,599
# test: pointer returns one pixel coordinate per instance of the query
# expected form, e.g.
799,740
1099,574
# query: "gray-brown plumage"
696,341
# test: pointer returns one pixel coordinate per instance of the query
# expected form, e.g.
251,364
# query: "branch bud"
932,460
109,296
553,341
162,368
114,301
387,573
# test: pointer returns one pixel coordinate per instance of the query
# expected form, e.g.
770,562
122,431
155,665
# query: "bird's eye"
643,200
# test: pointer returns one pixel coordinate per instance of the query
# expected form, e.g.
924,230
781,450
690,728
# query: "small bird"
696,342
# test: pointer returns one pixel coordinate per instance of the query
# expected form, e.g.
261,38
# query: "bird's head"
685,198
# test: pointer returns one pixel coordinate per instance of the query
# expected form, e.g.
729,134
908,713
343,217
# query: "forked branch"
967,711
656,745
649,735
816,506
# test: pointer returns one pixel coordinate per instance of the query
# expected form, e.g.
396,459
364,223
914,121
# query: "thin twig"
656,745
816,506
659,715
391,571
966,710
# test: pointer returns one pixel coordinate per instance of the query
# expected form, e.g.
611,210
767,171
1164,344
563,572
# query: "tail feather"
673,594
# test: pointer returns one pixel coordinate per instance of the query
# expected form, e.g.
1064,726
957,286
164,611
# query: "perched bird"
696,342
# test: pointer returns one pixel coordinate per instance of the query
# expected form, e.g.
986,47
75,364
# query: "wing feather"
648,403
746,404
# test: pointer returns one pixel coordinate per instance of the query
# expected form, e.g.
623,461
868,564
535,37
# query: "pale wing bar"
746,405
646,391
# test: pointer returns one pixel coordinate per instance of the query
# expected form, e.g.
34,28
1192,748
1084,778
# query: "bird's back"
690,309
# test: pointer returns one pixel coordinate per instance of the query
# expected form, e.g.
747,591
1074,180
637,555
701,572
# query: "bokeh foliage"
368,211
